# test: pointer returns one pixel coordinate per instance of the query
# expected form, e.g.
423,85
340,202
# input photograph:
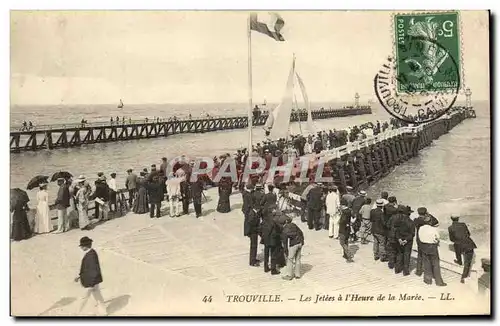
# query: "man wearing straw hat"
90,276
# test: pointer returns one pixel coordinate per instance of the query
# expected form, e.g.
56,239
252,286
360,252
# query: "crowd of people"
351,217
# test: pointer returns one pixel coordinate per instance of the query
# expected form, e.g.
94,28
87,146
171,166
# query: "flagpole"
250,92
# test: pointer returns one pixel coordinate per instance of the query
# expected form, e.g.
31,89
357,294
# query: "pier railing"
295,116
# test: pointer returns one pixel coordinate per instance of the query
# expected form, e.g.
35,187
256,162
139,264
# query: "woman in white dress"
82,197
42,220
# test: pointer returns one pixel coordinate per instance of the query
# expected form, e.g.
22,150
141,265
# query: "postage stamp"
427,51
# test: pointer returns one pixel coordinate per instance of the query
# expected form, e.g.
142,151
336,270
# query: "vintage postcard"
234,163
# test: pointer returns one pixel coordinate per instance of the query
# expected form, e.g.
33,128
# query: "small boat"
120,105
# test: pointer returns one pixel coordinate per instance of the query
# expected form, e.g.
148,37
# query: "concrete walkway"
168,266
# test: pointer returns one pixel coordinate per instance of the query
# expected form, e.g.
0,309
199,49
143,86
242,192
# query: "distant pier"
78,134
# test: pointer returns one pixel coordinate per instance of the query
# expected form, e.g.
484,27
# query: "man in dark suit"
247,201
101,192
269,201
315,203
463,244
392,213
377,218
258,200
344,231
271,237
423,218
404,234
131,185
251,230
196,194
90,275
185,193
391,208
155,192
62,203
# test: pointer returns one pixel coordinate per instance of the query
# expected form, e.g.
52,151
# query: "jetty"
78,134
147,262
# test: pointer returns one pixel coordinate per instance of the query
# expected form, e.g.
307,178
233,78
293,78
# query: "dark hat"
409,210
163,158
100,174
454,217
85,241
422,211
153,165
129,170
113,174
392,199
142,173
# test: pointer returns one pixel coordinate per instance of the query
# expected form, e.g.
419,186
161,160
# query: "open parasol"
61,174
18,196
36,181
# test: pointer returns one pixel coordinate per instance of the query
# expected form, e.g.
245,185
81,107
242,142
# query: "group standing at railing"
350,217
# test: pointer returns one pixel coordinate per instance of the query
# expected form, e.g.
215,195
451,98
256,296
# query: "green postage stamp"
428,52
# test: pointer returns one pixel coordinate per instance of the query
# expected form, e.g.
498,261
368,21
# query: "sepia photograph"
250,163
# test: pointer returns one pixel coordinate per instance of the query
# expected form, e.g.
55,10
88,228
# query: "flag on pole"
269,24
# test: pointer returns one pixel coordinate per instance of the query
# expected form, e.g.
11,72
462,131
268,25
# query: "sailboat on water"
278,123
120,106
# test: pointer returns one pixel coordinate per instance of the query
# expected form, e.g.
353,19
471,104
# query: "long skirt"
141,205
43,223
20,226
224,206
83,217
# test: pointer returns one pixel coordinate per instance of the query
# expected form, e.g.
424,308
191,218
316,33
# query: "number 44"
207,298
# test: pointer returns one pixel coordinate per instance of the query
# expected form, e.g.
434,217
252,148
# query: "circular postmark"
421,84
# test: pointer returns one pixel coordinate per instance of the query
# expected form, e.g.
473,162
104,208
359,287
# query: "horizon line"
208,102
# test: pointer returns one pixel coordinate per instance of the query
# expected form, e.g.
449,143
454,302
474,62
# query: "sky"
99,57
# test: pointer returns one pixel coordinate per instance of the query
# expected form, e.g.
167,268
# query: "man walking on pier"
90,276
131,185
463,245
62,203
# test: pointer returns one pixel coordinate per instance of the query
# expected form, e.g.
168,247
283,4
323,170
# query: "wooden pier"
74,135
362,163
